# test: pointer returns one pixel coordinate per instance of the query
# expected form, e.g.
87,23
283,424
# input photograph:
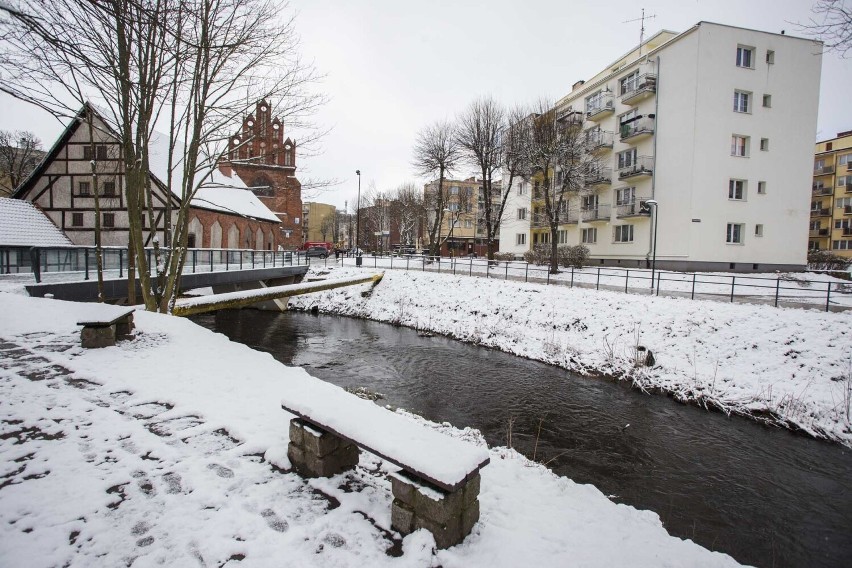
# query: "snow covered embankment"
786,366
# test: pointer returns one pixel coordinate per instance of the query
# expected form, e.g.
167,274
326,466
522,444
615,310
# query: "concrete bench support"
96,334
317,453
448,516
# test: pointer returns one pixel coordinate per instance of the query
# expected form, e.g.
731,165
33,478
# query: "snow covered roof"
21,224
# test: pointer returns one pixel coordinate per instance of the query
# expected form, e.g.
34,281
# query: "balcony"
597,177
820,190
818,233
635,91
823,170
644,166
636,128
631,209
599,140
601,107
571,117
824,212
594,214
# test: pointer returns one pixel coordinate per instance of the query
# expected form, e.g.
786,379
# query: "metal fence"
781,290
81,263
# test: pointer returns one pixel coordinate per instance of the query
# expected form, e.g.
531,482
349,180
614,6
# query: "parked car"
320,252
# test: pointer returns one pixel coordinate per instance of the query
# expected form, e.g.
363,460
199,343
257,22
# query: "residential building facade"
318,221
715,124
462,229
831,196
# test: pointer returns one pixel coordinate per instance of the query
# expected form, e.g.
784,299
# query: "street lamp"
646,207
358,210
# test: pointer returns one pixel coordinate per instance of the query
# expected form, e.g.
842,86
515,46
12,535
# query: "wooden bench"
108,323
438,485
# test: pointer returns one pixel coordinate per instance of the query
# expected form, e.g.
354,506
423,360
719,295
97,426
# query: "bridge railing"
80,262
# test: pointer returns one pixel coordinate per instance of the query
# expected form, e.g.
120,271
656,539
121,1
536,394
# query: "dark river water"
763,495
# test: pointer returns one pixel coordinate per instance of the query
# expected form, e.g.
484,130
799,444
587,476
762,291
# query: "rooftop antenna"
642,28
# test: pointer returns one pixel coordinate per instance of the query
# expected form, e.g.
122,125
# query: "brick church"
266,162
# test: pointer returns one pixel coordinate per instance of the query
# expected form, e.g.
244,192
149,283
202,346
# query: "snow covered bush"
573,256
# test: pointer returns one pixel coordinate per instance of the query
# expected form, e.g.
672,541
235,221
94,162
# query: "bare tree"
376,216
20,153
408,213
832,25
327,225
480,136
192,66
556,152
436,151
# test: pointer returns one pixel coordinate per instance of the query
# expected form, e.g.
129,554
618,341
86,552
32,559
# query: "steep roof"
22,224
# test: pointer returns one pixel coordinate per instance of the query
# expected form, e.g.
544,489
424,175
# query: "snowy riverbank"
787,366
160,451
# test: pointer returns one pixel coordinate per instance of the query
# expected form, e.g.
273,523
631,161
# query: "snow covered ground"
788,366
170,449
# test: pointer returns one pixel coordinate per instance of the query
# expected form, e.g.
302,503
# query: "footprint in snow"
221,470
275,522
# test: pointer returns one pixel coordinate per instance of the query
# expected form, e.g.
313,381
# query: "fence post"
572,277
121,263
548,276
827,295
211,260
507,271
227,260
424,263
252,258
407,260
659,275
598,283
692,297
487,270
626,280
527,272
453,264
733,283
777,287
241,259
470,272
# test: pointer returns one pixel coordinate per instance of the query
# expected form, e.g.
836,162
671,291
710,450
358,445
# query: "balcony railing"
602,106
644,86
571,117
823,170
640,127
823,212
599,213
644,166
818,233
822,190
568,217
598,176
599,139
631,208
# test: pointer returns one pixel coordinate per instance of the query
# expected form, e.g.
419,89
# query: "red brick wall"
271,234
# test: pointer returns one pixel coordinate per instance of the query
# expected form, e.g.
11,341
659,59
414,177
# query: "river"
765,496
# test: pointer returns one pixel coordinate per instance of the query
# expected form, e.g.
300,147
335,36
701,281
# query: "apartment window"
84,188
563,237
453,207
454,190
627,158
623,233
625,196
590,236
844,203
741,101
468,224
814,226
109,220
758,230
521,239
767,101
761,187
522,188
100,152
745,56
544,238
590,202
76,219
629,83
739,146
736,189
764,144
522,213
845,160
841,245
843,224
770,57
595,102
735,234
109,188
844,181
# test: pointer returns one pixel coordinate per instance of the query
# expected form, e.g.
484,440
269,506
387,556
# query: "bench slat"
106,315
435,457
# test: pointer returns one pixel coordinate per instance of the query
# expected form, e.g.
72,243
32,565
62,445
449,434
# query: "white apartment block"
515,223
716,125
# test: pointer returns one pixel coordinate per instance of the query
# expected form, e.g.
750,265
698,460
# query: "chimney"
842,134
576,85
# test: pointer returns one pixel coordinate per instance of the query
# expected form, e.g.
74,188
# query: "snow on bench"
439,484
103,323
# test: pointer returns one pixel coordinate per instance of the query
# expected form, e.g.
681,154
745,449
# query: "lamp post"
358,211
646,206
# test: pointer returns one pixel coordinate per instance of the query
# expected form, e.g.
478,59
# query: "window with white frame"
595,101
590,236
844,160
629,83
736,189
522,213
468,223
522,188
739,145
843,202
844,181
734,235
589,202
745,57
625,196
758,230
454,190
521,239
544,238
842,245
843,224
623,233
627,158
563,236
741,101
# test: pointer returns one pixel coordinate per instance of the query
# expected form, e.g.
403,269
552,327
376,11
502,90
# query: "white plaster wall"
511,226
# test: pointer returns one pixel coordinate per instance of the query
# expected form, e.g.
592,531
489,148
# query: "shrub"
539,254
504,256
824,260
575,256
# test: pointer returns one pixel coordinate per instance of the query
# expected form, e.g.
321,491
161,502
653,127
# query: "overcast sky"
394,66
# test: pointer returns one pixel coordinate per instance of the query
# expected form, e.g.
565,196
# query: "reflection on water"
763,495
